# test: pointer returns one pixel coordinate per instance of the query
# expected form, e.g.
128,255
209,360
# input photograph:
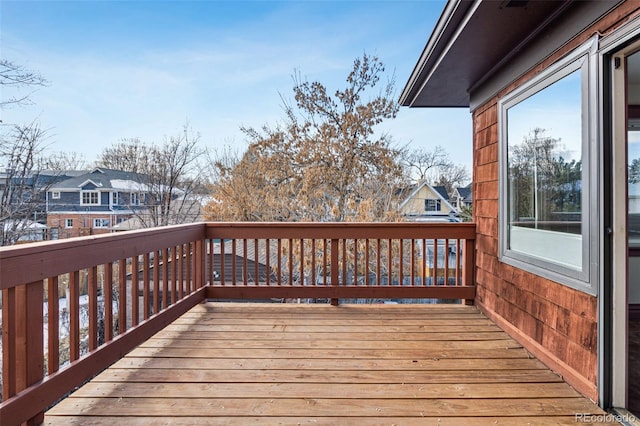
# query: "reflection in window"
633,158
544,175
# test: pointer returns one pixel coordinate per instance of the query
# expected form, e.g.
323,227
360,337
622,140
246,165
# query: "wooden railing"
70,308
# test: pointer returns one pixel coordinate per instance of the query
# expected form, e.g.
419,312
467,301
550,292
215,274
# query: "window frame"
55,195
68,223
134,196
584,60
90,192
437,204
100,224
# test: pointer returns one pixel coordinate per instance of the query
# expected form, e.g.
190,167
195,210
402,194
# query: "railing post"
200,277
335,267
468,269
22,340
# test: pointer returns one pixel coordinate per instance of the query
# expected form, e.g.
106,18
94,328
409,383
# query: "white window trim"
97,223
66,223
583,58
437,204
55,195
82,203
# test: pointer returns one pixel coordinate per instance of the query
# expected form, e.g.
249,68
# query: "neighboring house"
23,200
552,87
32,188
27,230
425,203
462,197
92,203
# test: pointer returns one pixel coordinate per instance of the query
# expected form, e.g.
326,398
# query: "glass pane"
633,158
545,173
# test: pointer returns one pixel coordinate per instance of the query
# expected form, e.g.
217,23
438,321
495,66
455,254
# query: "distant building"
462,197
92,203
425,203
27,230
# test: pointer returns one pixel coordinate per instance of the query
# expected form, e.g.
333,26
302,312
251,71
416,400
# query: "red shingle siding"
560,319
557,318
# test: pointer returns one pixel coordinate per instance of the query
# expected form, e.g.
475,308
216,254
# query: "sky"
142,69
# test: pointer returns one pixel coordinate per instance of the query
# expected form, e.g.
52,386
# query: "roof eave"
448,23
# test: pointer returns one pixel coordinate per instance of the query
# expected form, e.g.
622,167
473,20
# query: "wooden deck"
234,364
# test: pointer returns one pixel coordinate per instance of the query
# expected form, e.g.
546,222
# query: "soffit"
474,39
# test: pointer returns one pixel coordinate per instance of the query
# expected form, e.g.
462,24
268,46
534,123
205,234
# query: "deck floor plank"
134,362
322,421
233,364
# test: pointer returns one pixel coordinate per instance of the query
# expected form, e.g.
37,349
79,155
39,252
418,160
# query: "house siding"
560,320
555,322
548,316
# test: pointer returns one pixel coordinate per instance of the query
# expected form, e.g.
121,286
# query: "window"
100,223
134,199
116,198
55,195
90,198
432,205
68,223
544,174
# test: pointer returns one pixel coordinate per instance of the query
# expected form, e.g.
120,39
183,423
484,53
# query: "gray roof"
442,191
465,192
100,176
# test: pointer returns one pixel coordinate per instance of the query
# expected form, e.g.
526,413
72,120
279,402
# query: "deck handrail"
176,267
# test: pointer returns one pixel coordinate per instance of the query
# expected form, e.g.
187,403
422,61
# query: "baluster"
267,245
233,262
401,262
378,262
122,290
434,280
245,271
93,307
355,261
446,261
107,289
135,287
279,262
313,261
74,315
413,261
146,282
256,261
334,268
156,281
53,324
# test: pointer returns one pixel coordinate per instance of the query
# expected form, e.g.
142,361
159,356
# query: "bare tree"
130,154
452,177
423,164
323,163
16,76
435,166
169,174
22,188
62,161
